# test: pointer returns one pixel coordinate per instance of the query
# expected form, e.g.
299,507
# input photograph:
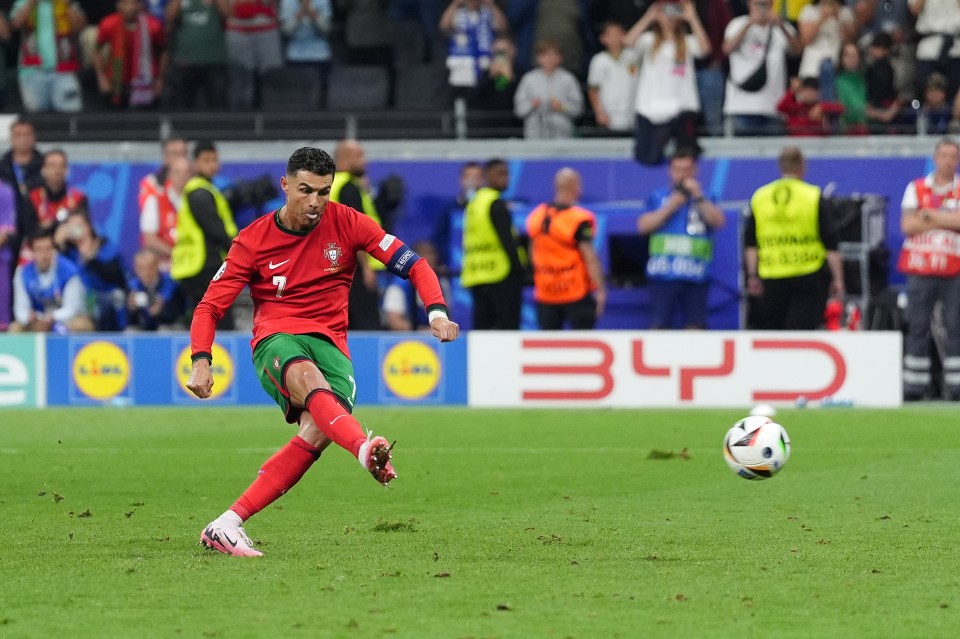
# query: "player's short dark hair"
203,146
494,163
311,160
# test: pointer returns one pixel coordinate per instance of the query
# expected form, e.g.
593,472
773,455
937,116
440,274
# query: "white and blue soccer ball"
756,447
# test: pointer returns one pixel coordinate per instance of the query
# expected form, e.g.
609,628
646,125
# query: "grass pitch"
501,524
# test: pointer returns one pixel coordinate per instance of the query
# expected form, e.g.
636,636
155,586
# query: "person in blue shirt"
679,222
101,269
154,299
48,293
306,25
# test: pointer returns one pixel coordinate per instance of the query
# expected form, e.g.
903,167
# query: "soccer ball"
756,447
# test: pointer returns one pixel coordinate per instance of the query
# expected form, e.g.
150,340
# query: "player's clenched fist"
443,328
201,379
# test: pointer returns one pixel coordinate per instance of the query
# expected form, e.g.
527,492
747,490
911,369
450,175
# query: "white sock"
362,453
230,518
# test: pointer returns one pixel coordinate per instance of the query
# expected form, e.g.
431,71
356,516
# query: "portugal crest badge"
333,253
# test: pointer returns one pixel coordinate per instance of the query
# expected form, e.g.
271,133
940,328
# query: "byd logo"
685,375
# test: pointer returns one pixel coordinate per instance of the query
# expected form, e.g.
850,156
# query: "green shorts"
274,354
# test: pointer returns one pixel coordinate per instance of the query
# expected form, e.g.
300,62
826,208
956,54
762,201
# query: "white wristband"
434,314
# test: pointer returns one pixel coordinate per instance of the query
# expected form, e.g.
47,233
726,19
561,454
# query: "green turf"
501,524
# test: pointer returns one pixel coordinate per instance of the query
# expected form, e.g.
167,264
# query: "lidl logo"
222,369
411,370
101,370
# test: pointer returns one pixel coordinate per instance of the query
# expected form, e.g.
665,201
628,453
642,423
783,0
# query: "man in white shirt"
612,81
758,38
47,292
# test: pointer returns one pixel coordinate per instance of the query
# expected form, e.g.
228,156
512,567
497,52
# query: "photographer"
154,299
679,223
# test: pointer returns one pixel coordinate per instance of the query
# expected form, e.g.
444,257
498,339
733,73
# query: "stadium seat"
422,87
358,87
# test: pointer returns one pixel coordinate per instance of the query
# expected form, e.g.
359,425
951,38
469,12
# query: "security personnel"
492,266
205,230
567,277
790,243
348,188
930,258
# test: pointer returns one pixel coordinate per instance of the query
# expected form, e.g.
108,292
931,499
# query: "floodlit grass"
501,524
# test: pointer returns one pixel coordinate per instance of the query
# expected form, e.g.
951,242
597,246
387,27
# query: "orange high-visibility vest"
934,253
560,274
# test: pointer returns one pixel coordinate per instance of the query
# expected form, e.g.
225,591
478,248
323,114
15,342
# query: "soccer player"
299,262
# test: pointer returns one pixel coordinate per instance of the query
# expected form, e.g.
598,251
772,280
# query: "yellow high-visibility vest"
787,215
341,179
190,252
485,260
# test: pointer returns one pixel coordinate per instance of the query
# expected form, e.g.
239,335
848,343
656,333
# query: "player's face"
307,197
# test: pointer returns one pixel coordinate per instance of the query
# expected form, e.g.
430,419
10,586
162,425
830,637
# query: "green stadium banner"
20,376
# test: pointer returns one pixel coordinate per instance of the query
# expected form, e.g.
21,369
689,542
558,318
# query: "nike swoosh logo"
272,266
232,542
336,418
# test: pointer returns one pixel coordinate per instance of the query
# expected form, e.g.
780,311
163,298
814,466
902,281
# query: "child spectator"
549,97
612,81
131,74
806,114
935,110
851,87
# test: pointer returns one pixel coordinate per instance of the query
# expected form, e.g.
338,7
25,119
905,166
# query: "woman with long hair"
667,38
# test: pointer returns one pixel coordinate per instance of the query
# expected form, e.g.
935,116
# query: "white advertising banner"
683,369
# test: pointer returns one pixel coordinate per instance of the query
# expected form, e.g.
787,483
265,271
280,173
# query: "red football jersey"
299,281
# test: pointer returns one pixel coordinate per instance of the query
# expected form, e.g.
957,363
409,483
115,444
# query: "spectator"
548,98
471,178
55,199
680,221
158,212
152,186
495,91
824,25
886,16
6,34
49,54
205,231
757,45
402,307
20,168
198,53
492,268
567,276
154,299
48,294
806,113
714,16
8,250
351,187
851,85
612,81
791,255
366,31
522,16
471,26
253,49
101,270
935,110
884,104
131,75
931,261
306,25
668,104
938,24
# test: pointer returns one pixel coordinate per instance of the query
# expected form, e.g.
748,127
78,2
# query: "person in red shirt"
298,263
131,75
806,113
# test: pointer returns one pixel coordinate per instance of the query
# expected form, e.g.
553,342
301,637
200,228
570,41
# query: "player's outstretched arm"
201,379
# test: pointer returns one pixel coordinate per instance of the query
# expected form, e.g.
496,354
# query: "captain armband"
402,261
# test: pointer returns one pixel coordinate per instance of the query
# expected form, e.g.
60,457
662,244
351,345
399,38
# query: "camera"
673,9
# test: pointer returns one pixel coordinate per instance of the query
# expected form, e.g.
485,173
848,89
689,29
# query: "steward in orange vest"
567,277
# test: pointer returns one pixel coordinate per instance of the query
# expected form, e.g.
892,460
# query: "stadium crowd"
661,69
